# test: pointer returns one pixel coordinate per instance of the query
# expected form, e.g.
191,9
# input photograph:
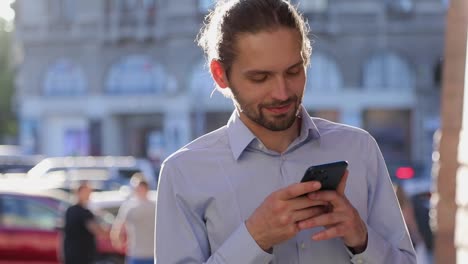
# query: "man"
81,228
136,217
233,195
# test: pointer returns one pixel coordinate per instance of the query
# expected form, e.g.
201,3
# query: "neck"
141,196
82,203
278,141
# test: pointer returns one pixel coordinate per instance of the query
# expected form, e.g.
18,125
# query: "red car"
30,225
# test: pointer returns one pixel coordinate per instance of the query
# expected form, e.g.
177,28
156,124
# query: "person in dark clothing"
80,230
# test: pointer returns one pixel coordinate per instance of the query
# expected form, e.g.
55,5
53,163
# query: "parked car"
30,229
18,163
110,201
103,173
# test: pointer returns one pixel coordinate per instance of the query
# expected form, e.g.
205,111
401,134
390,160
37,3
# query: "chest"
233,190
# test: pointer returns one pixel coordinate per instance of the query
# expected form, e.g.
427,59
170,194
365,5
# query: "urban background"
125,78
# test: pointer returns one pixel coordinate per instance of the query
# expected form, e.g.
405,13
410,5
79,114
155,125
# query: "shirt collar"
240,136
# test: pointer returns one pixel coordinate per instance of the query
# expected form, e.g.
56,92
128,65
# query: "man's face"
84,193
267,78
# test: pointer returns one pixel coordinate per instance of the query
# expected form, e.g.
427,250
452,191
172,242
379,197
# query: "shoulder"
204,146
326,127
78,210
332,130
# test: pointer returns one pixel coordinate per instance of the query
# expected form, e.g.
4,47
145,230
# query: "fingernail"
316,185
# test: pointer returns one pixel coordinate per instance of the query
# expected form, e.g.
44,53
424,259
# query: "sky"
5,11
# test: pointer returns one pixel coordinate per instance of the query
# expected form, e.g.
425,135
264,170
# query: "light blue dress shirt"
210,187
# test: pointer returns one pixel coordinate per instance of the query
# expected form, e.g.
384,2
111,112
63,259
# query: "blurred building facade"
124,77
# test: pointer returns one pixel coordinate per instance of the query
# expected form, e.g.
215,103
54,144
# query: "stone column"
452,161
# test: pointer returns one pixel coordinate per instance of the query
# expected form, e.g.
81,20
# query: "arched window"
387,71
323,74
136,75
64,78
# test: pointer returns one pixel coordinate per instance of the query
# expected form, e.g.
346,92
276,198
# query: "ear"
219,74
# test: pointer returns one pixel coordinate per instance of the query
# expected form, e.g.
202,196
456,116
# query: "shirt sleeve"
122,214
181,235
388,238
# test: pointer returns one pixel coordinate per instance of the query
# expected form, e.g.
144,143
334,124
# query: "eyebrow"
255,72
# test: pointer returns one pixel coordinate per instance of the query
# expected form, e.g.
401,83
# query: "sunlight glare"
6,12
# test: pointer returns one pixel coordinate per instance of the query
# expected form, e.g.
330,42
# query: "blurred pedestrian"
136,216
423,252
81,229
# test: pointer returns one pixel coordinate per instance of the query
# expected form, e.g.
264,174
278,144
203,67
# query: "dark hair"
233,17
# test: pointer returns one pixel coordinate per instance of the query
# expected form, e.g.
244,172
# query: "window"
132,11
391,129
27,213
323,75
76,141
387,71
136,75
64,78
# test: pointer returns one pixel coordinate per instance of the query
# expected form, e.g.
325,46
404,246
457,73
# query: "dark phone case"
329,175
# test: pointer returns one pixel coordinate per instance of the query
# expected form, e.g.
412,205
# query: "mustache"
278,103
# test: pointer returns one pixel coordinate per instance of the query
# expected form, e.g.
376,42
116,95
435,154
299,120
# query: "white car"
110,201
103,173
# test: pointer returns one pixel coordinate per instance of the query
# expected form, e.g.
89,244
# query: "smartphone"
329,174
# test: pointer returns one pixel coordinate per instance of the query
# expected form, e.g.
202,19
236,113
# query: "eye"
259,77
294,71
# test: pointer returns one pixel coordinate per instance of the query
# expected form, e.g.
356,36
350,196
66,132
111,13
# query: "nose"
280,91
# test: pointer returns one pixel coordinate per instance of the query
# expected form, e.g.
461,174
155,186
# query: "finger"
298,189
308,213
303,202
332,232
326,219
332,197
342,185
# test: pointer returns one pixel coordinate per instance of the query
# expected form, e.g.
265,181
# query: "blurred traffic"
35,191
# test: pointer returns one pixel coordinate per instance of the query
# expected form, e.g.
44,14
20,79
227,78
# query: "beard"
256,113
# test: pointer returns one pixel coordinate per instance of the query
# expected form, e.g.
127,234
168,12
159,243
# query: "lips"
279,109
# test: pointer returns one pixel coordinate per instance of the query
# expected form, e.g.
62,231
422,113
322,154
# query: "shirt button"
360,261
303,246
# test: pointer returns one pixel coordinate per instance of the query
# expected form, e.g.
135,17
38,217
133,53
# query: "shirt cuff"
242,248
374,249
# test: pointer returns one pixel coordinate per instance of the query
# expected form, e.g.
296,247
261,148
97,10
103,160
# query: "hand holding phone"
329,175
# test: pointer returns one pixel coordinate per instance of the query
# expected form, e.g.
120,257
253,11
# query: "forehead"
268,50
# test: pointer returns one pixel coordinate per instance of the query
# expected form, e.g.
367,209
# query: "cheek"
297,85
